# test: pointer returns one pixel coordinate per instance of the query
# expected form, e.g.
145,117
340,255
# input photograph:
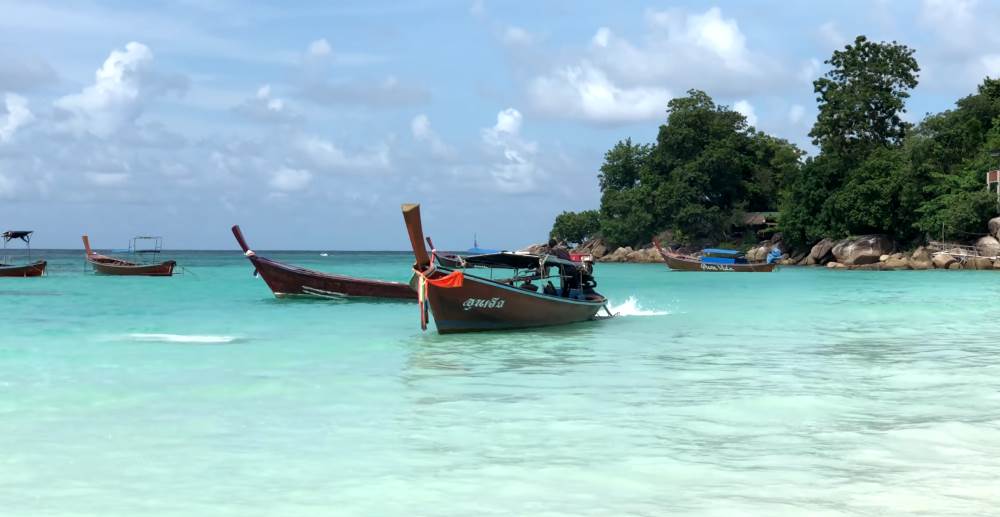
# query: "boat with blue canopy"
718,260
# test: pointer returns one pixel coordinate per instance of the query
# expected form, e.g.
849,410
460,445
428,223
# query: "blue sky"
309,123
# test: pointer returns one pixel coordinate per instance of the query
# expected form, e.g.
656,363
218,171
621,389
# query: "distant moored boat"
715,260
106,265
8,269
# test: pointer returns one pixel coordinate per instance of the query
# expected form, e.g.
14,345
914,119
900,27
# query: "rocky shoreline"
865,252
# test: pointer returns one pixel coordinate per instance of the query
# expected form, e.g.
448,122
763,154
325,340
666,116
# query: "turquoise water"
803,392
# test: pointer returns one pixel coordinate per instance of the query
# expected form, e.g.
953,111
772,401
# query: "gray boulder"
978,263
943,261
596,247
822,252
994,226
988,246
894,262
647,255
867,249
619,255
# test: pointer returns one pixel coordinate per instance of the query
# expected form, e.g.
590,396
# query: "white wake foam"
181,338
631,307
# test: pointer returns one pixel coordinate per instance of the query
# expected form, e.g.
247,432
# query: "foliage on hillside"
873,173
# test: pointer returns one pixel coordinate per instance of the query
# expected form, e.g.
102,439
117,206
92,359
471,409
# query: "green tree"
862,180
576,227
862,97
707,164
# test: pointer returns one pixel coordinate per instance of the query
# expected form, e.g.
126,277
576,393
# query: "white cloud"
265,107
616,79
601,37
743,107
122,85
421,129
517,36
320,48
585,92
709,32
288,180
327,155
18,115
514,169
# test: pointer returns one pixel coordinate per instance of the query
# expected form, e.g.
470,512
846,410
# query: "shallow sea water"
803,392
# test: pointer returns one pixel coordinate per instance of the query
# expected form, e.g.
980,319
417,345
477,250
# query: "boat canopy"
24,235
719,251
516,260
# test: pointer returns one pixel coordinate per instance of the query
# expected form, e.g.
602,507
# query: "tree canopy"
873,172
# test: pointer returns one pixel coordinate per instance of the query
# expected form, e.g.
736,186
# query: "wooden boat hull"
680,263
287,280
121,268
481,305
23,270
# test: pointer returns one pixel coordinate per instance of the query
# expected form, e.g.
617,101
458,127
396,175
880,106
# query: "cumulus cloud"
514,169
616,80
17,115
585,92
288,180
422,132
743,107
122,86
265,107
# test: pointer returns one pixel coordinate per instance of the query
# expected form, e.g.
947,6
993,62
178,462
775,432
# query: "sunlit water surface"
803,392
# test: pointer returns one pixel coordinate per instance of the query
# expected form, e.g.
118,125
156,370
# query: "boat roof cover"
719,251
516,260
24,235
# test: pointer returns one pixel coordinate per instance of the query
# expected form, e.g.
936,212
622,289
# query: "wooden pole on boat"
411,215
239,238
86,245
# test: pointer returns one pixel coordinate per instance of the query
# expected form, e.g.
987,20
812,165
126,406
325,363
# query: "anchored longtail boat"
716,260
287,280
106,265
8,268
463,301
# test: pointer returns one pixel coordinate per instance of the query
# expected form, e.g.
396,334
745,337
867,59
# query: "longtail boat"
106,265
463,301
715,260
288,280
30,269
